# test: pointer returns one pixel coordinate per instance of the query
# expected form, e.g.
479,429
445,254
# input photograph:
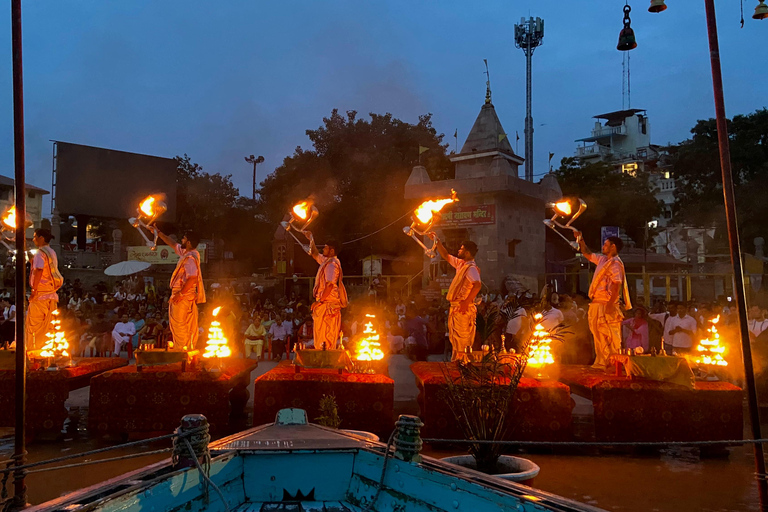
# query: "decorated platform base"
154,357
329,359
47,392
640,409
365,401
129,402
542,410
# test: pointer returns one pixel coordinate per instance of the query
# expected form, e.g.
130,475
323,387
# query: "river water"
674,480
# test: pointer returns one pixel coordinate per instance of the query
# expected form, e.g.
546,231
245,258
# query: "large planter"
513,469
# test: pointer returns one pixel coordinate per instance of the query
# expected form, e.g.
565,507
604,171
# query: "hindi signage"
468,215
164,255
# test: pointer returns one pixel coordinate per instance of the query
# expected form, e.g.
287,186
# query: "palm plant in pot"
481,397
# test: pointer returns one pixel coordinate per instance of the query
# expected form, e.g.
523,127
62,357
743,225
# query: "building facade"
497,210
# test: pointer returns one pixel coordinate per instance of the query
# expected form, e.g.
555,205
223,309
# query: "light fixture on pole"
657,6
255,160
528,36
627,39
761,11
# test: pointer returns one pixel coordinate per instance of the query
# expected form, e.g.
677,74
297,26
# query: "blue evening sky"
221,80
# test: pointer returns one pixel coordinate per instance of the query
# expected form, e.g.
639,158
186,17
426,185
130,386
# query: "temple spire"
487,83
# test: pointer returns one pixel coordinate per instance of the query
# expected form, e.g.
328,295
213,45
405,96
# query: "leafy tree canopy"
356,173
613,198
699,190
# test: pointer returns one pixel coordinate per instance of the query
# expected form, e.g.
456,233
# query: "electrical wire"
378,231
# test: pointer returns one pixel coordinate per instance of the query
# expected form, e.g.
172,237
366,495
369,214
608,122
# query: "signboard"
608,231
164,255
469,215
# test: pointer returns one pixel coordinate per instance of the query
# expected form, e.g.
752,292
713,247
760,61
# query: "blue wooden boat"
295,466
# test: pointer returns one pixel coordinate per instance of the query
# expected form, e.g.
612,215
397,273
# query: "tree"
698,181
356,174
210,205
613,198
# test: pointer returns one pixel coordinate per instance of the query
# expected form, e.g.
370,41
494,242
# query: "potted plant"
481,396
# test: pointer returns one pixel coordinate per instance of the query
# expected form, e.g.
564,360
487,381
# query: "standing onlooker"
680,330
757,322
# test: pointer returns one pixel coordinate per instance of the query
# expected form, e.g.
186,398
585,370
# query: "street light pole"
735,249
255,161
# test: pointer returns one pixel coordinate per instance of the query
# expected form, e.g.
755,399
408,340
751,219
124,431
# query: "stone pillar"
56,232
117,242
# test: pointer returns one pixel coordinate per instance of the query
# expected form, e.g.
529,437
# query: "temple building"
499,211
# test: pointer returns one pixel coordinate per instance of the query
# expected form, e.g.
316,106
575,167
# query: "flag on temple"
422,149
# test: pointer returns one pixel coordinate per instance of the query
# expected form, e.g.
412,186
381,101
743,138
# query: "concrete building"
34,200
497,210
623,138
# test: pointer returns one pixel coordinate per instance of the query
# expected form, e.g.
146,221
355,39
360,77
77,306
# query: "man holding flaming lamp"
608,286
44,281
330,295
462,317
187,290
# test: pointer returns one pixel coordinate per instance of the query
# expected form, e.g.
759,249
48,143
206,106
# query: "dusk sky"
222,80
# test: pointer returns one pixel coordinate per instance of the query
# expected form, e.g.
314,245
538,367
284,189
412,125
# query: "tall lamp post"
761,12
255,160
528,35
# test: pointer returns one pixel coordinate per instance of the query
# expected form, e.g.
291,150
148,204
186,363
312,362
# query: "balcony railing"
593,150
607,131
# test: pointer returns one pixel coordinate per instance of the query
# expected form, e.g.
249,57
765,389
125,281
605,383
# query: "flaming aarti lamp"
216,346
301,215
149,210
540,349
710,352
426,217
369,356
56,346
566,211
8,228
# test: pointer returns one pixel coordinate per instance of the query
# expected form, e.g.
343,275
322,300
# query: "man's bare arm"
439,246
165,238
582,244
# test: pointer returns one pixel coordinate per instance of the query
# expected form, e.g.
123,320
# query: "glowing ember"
426,209
710,350
216,345
540,350
369,348
301,210
56,344
563,207
10,218
146,206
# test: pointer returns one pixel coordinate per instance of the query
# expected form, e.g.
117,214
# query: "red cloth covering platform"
47,392
365,401
649,410
152,401
541,410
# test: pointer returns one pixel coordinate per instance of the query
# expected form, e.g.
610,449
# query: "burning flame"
426,209
146,206
216,345
10,218
710,350
369,348
563,207
56,344
540,350
301,210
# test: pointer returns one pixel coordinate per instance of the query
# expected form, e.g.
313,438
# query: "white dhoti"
326,318
182,317
461,330
606,331
119,341
38,321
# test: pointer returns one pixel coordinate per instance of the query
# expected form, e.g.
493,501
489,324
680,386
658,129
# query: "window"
630,168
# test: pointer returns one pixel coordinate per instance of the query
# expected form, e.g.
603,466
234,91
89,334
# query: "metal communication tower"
528,35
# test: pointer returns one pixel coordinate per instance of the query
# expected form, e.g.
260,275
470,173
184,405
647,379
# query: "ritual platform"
47,391
638,409
365,401
152,401
542,409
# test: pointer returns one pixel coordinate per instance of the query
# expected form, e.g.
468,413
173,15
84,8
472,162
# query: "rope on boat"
380,485
204,474
599,443
11,469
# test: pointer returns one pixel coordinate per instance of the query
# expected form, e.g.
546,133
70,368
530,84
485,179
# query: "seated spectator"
279,332
255,336
122,333
151,332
